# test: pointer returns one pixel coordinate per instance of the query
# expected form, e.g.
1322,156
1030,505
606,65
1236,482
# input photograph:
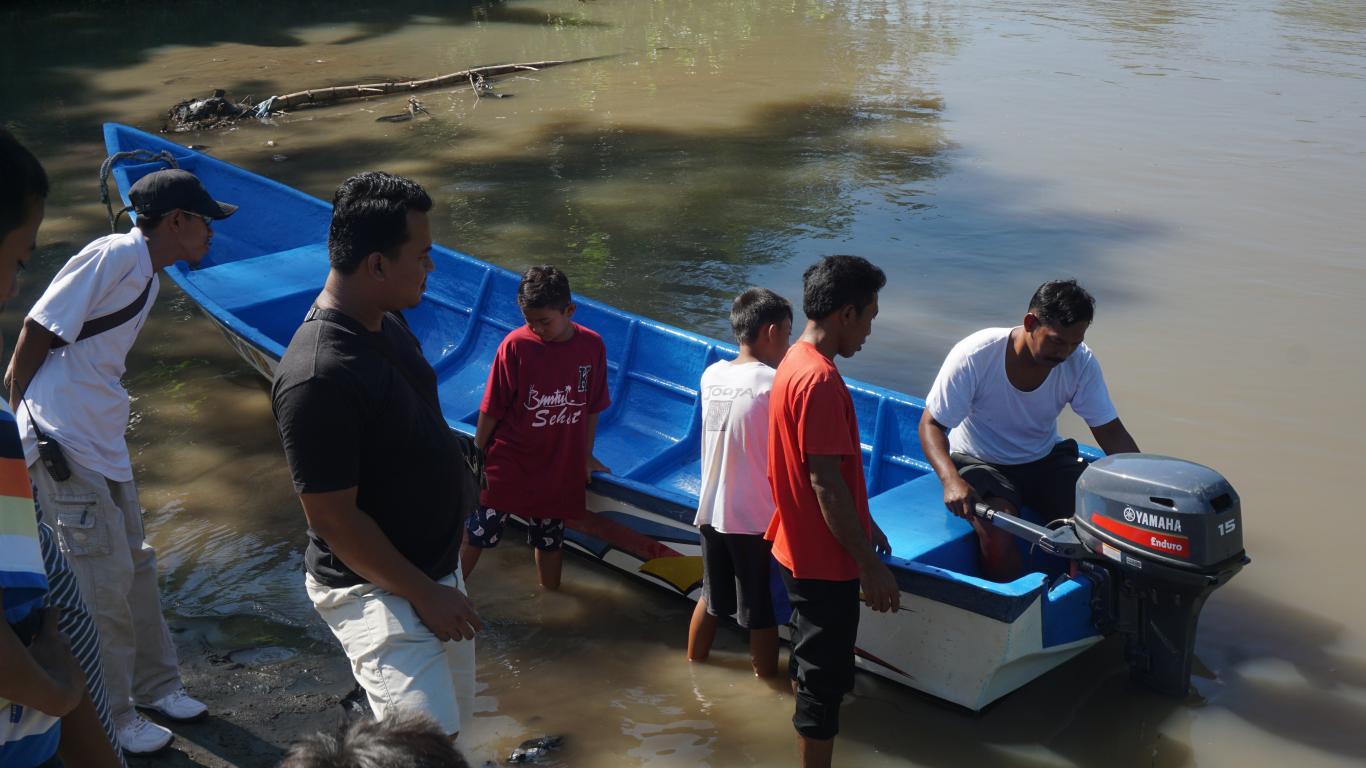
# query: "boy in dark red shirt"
536,425
822,534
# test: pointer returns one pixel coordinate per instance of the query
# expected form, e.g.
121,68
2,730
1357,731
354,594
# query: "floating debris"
203,114
535,750
482,88
415,108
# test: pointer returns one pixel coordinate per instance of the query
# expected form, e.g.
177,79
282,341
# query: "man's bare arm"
593,464
357,540
1113,438
837,507
29,353
43,675
959,497
483,430
83,740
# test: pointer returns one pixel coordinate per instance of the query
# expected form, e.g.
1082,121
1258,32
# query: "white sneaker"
178,705
143,737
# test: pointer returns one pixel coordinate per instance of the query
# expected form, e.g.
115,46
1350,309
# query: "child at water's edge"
735,503
536,425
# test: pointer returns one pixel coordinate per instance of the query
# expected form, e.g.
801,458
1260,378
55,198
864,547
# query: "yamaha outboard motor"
1155,536
1175,530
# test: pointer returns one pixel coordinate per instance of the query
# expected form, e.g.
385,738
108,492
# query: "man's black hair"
370,213
836,282
1061,303
543,287
404,739
22,182
755,309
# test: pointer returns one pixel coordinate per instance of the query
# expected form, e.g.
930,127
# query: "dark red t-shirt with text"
542,394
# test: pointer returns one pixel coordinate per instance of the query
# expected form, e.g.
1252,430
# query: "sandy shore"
258,705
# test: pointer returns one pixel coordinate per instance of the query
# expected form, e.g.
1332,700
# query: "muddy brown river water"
1201,166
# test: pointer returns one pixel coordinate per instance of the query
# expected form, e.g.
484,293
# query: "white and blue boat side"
958,637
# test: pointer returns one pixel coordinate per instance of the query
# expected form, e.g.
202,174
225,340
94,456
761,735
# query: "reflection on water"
1333,28
1198,165
679,218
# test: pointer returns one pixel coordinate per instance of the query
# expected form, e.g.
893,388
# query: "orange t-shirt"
810,412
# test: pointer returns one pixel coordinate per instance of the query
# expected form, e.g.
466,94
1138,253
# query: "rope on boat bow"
145,155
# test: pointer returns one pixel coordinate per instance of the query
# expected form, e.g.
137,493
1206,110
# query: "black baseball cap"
171,189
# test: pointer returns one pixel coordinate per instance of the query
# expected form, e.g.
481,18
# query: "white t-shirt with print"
76,396
991,420
735,496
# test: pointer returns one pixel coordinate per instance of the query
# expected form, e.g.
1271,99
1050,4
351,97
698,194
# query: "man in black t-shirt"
373,461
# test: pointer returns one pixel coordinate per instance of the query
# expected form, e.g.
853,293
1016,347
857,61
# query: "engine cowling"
1158,508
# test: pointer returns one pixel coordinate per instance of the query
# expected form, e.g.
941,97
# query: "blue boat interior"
268,262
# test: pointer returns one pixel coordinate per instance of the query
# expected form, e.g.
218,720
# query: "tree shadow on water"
43,45
1285,671
1088,711
673,222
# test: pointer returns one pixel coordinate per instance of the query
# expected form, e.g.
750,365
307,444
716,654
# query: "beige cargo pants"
99,528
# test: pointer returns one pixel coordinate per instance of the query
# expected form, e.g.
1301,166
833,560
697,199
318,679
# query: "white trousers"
395,658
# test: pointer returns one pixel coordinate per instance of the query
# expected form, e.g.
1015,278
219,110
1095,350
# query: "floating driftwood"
217,111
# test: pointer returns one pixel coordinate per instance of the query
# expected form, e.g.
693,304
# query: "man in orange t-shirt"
823,537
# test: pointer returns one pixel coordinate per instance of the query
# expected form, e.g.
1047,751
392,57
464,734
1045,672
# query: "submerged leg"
815,753
701,632
763,651
547,536
483,530
548,565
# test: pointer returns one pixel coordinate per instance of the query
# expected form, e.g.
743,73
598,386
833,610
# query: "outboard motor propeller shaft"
1156,536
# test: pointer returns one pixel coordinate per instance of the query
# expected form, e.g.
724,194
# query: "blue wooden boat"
958,636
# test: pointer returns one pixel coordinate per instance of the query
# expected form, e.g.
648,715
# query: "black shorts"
735,577
824,627
1048,486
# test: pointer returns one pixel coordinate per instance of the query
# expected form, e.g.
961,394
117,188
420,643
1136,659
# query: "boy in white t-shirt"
998,396
735,503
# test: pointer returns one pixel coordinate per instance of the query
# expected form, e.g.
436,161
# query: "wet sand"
256,711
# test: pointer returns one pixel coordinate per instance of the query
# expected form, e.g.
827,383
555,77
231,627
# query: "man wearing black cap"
63,384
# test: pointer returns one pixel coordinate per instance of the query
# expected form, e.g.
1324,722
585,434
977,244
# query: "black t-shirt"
349,417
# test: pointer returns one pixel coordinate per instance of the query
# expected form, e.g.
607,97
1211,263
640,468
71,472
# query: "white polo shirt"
991,420
77,396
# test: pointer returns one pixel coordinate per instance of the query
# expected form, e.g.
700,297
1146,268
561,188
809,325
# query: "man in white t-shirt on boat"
735,503
990,429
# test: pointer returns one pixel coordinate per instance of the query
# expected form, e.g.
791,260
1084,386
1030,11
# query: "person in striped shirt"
52,699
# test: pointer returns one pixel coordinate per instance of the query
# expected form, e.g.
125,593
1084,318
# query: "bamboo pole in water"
320,96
